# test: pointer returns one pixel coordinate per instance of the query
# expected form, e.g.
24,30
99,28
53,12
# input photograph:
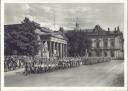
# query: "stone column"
41,48
53,47
50,48
66,50
57,47
60,50
63,50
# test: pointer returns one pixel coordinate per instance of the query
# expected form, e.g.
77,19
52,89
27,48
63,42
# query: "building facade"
51,43
105,43
56,42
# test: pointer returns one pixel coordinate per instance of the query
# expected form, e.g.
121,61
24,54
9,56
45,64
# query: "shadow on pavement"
119,81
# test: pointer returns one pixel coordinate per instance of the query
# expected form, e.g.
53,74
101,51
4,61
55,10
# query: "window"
112,53
105,53
97,53
98,43
105,43
94,43
112,43
91,43
89,54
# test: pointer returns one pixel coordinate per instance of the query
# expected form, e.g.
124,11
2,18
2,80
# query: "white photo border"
64,88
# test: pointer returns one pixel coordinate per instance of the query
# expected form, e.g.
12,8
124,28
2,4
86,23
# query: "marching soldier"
26,68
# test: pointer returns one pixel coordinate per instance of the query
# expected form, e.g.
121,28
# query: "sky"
55,15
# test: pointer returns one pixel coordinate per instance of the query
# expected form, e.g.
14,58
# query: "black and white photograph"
64,45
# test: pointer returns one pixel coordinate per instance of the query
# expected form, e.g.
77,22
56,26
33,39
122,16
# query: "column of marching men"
42,65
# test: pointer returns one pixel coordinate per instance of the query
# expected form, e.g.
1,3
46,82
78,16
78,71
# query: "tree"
21,40
78,42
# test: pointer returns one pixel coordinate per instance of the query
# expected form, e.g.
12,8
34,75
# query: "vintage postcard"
64,45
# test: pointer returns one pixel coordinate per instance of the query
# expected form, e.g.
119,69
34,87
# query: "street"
102,74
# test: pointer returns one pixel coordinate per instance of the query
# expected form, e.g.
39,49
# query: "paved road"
102,74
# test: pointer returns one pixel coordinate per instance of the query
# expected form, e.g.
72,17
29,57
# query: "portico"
56,43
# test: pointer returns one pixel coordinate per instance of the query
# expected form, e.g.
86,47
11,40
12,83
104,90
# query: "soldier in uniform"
26,68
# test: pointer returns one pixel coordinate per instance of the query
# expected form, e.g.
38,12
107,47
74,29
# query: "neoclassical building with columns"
54,42
51,43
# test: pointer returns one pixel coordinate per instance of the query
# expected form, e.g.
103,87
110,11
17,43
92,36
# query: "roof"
45,29
97,30
57,34
12,25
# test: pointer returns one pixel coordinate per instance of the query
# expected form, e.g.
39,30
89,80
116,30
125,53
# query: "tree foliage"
21,39
78,42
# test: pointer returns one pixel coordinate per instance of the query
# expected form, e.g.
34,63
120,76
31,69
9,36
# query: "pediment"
38,31
60,36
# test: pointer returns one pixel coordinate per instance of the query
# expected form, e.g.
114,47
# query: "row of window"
105,54
97,44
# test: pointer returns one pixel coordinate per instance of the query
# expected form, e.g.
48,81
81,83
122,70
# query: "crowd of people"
13,62
41,65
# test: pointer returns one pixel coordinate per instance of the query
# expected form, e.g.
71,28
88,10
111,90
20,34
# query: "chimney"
118,28
115,29
108,29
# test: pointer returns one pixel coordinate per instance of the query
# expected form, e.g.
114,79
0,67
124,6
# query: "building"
54,43
105,43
